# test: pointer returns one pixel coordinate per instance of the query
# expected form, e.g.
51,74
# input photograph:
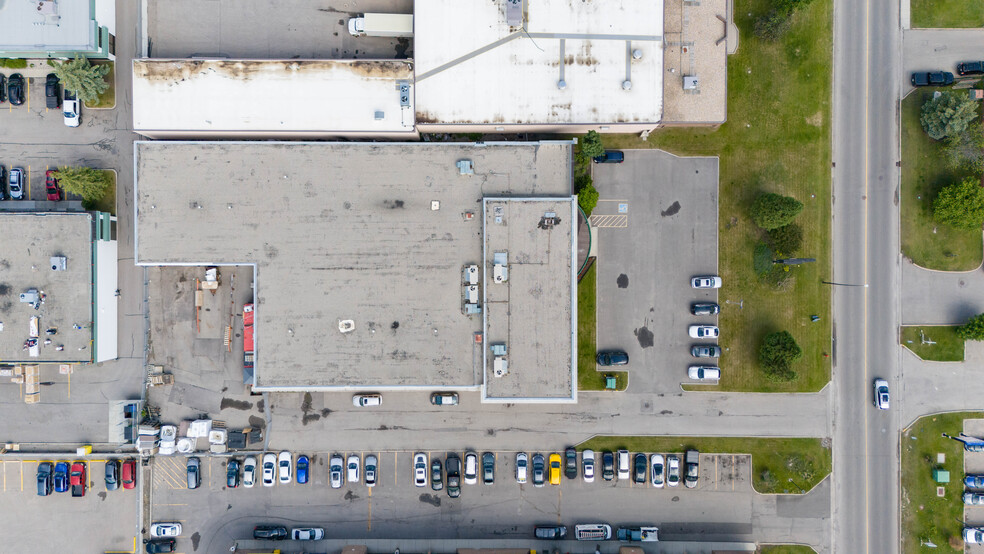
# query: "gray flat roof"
30,241
47,25
345,231
530,310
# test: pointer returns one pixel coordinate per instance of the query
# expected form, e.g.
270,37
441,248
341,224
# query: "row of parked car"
14,183
703,372
597,532
943,78
14,88
63,476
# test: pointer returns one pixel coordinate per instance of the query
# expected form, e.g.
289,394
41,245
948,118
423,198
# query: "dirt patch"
816,119
235,404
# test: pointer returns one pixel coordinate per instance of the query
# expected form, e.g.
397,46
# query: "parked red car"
51,186
77,479
129,475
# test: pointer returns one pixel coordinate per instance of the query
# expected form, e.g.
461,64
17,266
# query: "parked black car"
15,89
3,88
45,479
112,475
612,357
3,170
570,463
970,68
608,466
639,469
157,546
704,308
452,467
437,475
270,532
932,79
610,157
52,96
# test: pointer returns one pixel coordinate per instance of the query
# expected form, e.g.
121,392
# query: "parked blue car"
302,469
61,477
974,481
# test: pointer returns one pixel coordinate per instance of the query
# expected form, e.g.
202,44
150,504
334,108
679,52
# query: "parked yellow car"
555,469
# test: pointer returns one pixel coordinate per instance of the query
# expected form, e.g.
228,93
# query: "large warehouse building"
382,266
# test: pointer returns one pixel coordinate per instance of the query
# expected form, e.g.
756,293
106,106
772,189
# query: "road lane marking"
864,364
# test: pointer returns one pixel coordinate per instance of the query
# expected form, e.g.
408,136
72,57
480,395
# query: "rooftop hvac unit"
471,294
30,297
500,366
59,263
500,269
471,274
404,94
346,325
514,13
465,167
689,82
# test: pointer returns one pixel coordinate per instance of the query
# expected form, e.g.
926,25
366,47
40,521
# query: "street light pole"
865,285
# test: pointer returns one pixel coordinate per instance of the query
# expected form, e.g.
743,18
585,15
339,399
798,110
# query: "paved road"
867,42
932,387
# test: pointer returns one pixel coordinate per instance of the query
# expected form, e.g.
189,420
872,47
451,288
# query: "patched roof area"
46,25
60,297
562,61
271,96
362,250
698,38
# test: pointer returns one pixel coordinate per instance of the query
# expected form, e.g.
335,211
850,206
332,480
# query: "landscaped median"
776,140
779,465
934,343
927,517
924,173
588,376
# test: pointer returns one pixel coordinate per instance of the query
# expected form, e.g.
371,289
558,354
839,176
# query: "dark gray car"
704,308
112,475
194,472
453,468
488,468
45,478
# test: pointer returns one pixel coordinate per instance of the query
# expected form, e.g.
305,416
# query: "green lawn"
925,516
786,549
108,202
947,13
788,465
588,377
108,98
777,139
948,348
924,173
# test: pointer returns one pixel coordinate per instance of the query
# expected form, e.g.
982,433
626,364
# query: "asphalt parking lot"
252,30
106,520
656,223
938,50
718,509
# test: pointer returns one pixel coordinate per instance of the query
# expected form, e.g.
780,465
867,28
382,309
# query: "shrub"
948,115
591,145
965,150
14,63
772,25
786,239
587,195
973,329
90,184
961,205
777,354
771,210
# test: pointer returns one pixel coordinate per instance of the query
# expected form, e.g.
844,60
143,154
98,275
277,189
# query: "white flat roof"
46,26
486,72
272,96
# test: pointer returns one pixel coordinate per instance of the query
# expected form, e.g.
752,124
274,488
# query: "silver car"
522,467
371,464
249,471
269,469
672,470
16,183
353,469
420,469
588,465
335,475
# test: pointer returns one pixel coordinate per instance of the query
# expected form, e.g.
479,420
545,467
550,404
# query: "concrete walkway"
940,297
932,387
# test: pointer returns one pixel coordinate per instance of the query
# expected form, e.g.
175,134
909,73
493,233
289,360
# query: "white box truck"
381,25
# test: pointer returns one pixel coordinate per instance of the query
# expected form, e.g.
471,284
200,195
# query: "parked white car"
161,530
657,470
269,469
704,331
471,468
71,109
672,470
704,373
249,471
352,469
420,469
307,534
706,282
588,465
363,400
336,474
522,467
285,461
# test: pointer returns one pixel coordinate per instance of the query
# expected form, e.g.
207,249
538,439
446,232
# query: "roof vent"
637,54
404,94
626,85
689,82
562,84
514,13
380,115
59,263
346,325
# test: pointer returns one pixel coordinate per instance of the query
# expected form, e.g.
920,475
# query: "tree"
973,329
966,150
961,205
90,184
82,78
773,24
777,353
587,195
787,239
591,145
948,115
771,210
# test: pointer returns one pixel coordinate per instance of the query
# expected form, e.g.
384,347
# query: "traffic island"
933,343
